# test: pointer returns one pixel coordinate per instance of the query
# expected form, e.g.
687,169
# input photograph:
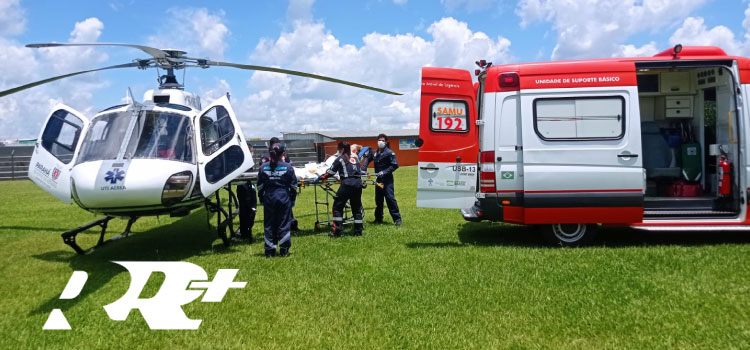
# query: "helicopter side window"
216,129
224,163
61,135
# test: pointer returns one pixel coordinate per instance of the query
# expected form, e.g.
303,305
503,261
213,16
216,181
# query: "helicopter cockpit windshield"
161,135
155,135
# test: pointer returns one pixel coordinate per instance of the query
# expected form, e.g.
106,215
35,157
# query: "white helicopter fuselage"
164,155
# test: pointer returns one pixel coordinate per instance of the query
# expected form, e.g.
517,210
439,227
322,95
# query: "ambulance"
655,143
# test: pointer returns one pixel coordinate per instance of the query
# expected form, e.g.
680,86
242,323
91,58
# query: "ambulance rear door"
448,139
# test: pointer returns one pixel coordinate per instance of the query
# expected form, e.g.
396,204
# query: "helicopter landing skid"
224,217
69,237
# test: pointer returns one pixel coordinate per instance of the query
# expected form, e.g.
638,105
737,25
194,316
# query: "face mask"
381,144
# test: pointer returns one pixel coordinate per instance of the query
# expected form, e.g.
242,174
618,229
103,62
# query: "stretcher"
324,194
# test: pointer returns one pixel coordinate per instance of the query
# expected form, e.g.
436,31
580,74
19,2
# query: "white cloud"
69,59
694,32
197,31
284,103
23,113
633,51
13,20
588,28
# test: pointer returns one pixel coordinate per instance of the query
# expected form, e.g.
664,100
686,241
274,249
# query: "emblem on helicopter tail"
115,175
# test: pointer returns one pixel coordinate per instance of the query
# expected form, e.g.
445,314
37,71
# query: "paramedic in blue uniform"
277,187
385,164
266,158
350,190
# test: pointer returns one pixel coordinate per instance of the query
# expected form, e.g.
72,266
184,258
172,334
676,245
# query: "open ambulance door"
582,154
56,151
222,151
448,140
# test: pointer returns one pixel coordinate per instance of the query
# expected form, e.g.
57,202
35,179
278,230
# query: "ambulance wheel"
569,235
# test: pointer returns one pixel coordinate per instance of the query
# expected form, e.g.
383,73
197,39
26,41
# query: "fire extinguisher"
725,173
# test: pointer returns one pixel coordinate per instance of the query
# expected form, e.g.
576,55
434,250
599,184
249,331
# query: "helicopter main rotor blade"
49,80
156,53
297,73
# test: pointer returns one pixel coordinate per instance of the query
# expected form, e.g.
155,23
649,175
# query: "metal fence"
14,167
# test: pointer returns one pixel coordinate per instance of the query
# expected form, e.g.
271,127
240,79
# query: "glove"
379,174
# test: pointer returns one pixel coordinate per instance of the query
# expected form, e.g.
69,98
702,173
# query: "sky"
382,43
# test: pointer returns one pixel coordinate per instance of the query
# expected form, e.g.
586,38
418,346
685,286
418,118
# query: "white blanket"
311,171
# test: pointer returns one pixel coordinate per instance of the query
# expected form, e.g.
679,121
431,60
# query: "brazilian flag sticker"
507,175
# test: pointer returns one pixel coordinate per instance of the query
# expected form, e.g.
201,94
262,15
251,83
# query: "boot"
270,253
284,252
337,228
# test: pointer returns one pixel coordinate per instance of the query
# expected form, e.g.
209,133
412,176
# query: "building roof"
347,134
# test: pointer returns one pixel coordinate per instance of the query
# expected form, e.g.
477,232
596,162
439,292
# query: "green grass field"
436,282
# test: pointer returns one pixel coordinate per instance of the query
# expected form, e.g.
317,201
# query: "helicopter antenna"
130,99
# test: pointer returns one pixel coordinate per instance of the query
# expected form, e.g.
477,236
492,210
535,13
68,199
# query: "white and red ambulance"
656,143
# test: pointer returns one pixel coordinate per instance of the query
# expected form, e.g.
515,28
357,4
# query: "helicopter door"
223,153
56,151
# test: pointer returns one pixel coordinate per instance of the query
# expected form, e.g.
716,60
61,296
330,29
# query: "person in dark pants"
266,158
277,187
385,164
350,190
248,204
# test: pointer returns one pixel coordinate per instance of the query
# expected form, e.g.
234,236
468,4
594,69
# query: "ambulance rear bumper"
487,208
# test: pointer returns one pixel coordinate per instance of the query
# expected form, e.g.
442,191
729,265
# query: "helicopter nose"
108,184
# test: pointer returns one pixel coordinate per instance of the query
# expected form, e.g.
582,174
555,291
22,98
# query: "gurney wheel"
317,225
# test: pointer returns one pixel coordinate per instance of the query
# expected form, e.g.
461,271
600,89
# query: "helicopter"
166,155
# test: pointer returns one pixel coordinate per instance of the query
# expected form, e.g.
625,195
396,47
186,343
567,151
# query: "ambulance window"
61,134
580,118
449,116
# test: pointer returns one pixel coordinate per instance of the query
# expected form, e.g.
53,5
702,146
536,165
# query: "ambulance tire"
569,235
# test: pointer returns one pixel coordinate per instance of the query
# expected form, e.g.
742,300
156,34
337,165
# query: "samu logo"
183,283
